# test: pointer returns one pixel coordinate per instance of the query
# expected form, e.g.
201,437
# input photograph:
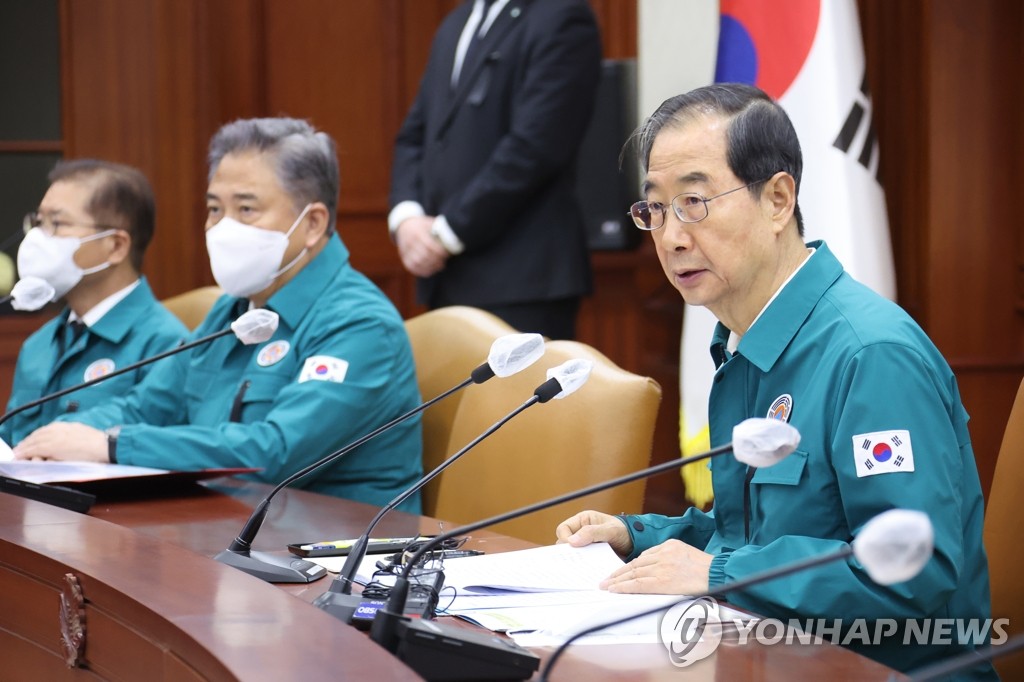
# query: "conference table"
129,591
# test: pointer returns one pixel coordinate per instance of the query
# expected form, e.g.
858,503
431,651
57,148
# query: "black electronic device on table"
343,547
425,589
68,498
426,645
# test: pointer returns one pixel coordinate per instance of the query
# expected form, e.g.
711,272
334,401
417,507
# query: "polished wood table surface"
157,607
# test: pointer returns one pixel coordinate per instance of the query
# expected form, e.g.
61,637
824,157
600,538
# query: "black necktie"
69,334
473,51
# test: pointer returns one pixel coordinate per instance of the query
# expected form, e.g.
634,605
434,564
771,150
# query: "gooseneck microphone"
255,326
756,442
30,293
338,600
508,355
892,547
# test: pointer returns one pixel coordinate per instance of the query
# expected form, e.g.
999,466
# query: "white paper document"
641,630
541,596
562,619
549,591
51,471
553,568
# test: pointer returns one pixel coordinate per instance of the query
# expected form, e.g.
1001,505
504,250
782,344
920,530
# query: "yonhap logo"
691,631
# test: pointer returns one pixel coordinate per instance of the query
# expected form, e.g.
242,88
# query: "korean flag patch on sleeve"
882,452
324,368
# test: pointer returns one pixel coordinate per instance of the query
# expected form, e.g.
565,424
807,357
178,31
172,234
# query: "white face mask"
245,259
52,259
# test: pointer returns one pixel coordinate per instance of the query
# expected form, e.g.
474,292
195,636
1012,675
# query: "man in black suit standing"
483,205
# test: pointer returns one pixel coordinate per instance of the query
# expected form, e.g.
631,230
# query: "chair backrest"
1003,538
447,344
604,430
192,306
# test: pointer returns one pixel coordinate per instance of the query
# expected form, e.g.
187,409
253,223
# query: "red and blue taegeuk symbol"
765,43
882,452
321,369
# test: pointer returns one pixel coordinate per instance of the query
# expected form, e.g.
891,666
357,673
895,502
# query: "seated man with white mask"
87,240
338,366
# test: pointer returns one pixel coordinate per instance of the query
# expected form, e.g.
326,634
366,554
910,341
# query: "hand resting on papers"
66,441
673,567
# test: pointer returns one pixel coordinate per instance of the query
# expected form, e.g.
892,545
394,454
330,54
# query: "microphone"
943,670
338,601
255,326
30,293
508,355
756,442
892,547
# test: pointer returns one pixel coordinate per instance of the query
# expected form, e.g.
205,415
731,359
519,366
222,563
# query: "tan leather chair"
603,430
192,306
1004,542
447,344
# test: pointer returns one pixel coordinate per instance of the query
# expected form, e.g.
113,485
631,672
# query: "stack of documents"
542,596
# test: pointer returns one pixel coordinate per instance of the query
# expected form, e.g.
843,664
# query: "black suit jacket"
496,156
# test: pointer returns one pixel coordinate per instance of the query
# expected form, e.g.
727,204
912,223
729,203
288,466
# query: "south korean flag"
882,452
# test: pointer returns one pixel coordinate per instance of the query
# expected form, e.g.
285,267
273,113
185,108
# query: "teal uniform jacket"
871,396
136,328
338,366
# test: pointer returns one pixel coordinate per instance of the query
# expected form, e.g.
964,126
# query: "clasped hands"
421,253
673,567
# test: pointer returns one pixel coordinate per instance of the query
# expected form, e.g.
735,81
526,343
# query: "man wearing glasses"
880,417
87,240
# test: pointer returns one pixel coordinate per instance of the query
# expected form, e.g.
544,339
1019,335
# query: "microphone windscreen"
255,326
31,293
548,390
761,442
514,352
570,375
894,546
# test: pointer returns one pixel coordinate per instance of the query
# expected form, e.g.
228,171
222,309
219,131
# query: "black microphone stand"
117,372
404,636
338,600
283,569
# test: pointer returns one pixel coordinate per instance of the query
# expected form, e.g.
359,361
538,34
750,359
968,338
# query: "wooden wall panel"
975,213
325,62
131,93
617,19
946,81
895,64
976,224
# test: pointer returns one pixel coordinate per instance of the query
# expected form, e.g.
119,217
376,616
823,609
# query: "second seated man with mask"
338,366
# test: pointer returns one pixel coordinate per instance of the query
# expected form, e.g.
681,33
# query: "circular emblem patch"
99,368
782,408
272,353
882,452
